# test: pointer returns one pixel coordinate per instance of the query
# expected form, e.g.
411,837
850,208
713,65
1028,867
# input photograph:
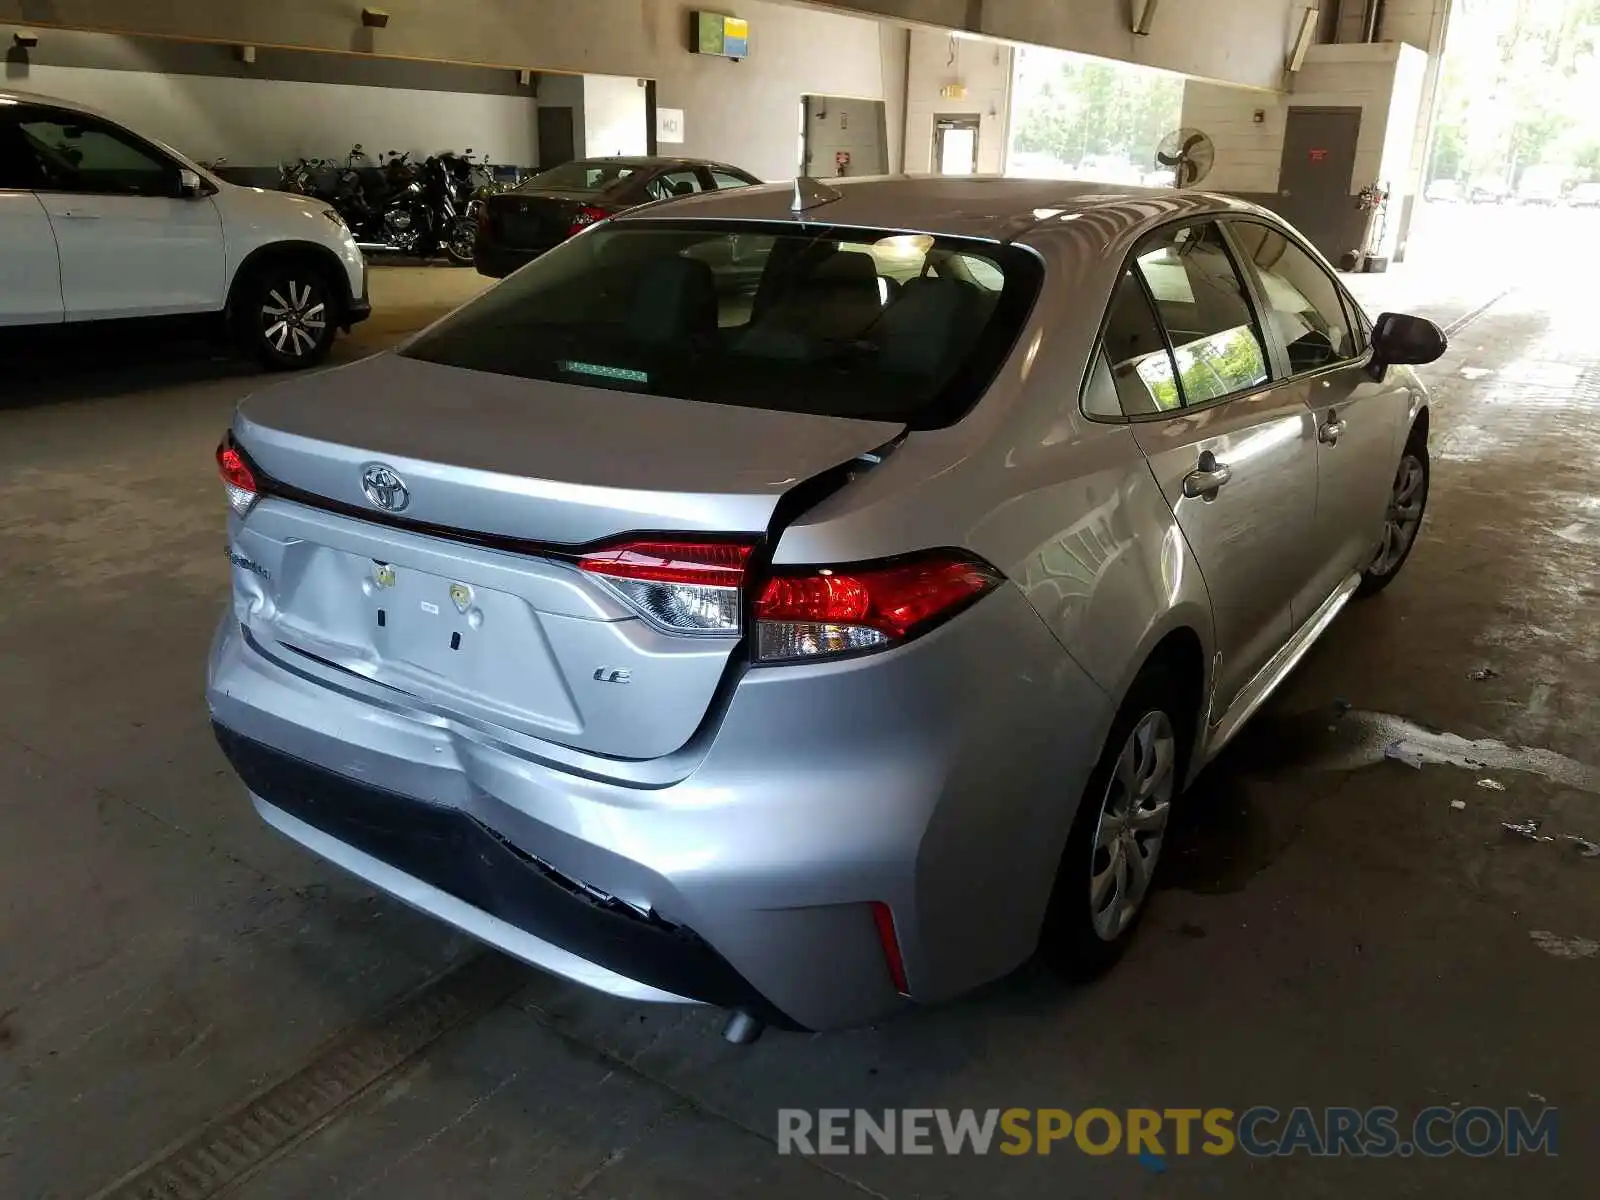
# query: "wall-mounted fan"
1188,154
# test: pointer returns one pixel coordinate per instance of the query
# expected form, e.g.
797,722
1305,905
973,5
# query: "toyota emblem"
384,488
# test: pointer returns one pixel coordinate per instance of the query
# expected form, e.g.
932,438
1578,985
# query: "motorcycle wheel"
459,245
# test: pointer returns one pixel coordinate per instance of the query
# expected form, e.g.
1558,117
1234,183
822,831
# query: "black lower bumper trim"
497,262
455,853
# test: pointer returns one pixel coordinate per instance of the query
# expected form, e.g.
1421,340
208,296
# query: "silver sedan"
811,601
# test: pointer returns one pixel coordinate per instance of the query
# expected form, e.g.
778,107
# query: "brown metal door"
1316,183
555,136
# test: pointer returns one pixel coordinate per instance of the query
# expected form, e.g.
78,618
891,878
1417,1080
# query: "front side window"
1302,302
74,153
1203,307
834,321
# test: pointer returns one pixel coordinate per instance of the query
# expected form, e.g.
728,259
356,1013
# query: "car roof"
976,206
657,160
7,96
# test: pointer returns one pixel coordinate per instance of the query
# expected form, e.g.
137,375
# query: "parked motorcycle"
403,207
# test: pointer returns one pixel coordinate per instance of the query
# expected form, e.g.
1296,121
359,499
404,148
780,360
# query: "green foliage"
1085,107
1521,89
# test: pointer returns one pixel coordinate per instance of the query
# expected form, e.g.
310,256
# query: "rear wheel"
1108,869
287,315
1408,499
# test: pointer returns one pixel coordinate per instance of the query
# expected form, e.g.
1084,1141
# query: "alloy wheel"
294,318
1132,825
1404,515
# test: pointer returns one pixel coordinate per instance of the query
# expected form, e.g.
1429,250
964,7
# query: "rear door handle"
1208,477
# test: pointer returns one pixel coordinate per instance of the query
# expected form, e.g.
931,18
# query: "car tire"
287,315
1095,908
1402,521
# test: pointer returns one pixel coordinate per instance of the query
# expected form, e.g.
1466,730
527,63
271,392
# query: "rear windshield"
580,177
839,322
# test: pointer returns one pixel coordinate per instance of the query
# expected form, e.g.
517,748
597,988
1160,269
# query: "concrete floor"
1332,930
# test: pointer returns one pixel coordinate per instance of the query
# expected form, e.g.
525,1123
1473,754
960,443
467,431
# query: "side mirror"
189,184
1399,339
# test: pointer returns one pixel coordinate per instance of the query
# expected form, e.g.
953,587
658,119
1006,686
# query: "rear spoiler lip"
269,487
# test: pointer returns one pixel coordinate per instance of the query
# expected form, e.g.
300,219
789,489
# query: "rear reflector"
884,919
237,479
824,611
679,587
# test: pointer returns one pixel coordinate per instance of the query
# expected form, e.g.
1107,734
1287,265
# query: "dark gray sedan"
543,212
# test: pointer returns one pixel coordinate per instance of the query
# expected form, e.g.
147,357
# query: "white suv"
100,224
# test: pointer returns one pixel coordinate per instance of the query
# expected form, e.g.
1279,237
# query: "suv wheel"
1408,499
1108,870
288,315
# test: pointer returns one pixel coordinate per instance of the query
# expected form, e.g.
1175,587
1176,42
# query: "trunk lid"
464,598
536,220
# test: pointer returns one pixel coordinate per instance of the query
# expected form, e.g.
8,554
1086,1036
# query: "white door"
30,276
955,145
30,273
130,243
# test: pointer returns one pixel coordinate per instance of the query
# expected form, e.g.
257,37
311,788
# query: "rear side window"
1302,302
1202,305
727,182
1136,355
580,176
841,322
674,183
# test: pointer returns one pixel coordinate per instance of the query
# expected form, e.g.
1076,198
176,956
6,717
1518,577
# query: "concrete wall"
287,104
984,69
742,112
613,116
1384,80
835,124
1243,42
259,122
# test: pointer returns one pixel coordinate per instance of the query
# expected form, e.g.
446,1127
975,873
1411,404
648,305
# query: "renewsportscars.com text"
1259,1132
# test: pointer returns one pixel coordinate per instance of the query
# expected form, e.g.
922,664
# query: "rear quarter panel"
1066,507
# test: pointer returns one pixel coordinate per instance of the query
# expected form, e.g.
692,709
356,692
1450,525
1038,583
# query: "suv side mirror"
1399,339
189,184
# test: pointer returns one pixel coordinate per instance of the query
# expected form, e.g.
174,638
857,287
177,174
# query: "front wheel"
1408,499
287,316
461,240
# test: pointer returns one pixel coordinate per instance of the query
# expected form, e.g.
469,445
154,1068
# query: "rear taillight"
237,479
587,215
801,613
679,587
822,611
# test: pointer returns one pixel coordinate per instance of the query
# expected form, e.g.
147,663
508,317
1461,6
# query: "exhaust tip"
742,1029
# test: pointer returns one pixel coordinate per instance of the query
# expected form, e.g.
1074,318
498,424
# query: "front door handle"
1207,478
1329,432
80,216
